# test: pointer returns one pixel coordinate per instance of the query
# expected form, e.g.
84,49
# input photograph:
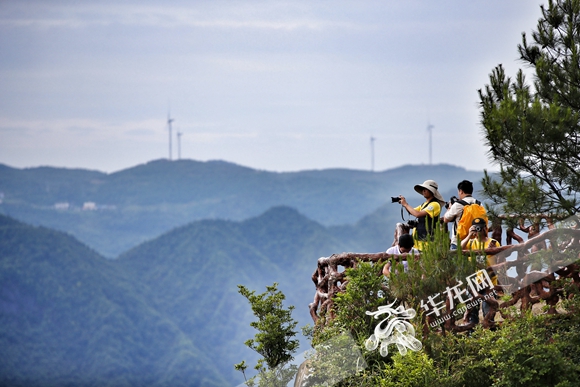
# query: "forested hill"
117,211
166,313
192,274
69,317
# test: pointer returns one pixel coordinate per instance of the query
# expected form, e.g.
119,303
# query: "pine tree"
532,131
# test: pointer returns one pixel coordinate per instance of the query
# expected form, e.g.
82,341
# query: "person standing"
454,213
427,214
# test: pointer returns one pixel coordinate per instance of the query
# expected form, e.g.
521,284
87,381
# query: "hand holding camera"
399,199
403,201
474,230
452,201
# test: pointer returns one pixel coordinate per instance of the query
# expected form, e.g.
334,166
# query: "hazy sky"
275,85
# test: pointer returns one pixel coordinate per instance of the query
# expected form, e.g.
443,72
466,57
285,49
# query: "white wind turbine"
169,121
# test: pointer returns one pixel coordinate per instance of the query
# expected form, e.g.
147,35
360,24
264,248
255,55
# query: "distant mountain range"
166,312
115,212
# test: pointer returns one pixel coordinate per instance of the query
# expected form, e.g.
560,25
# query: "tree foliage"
437,268
530,350
533,132
275,338
365,291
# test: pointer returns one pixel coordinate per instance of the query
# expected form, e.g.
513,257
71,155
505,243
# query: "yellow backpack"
470,212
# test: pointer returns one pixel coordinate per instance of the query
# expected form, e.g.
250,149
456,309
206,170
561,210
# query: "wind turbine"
430,130
169,121
179,145
372,153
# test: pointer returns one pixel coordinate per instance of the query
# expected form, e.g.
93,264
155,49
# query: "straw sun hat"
432,186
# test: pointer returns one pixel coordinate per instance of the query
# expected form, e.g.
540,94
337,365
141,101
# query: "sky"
272,85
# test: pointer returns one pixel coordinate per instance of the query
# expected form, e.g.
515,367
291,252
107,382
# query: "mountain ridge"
219,162
114,212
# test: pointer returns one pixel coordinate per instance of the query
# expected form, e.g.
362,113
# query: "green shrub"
274,341
527,350
415,369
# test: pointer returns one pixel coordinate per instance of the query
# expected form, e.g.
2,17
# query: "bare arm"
452,213
411,210
387,269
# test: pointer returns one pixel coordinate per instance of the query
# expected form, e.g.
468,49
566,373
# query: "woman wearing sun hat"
427,214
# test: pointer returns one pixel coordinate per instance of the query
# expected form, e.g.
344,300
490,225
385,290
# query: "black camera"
412,223
478,227
395,199
452,201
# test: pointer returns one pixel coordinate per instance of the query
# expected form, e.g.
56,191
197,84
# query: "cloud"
74,130
217,16
62,132
87,77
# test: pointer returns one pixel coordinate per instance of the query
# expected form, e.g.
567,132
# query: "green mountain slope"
166,312
69,317
145,201
192,273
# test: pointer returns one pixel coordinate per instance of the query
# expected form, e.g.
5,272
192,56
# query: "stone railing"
517,275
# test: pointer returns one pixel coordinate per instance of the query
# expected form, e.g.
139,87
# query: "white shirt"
395,250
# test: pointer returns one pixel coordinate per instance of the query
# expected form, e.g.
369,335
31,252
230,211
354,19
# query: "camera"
395,199
452,201
478,227
412,223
